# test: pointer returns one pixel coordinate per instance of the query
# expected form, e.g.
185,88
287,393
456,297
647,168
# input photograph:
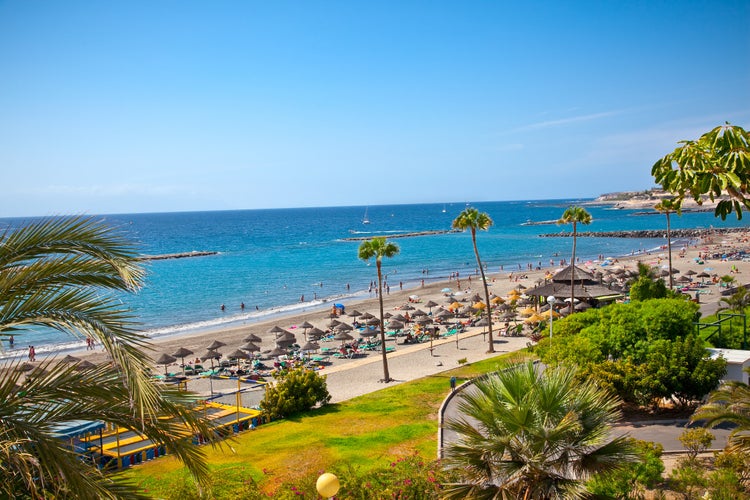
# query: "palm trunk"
386,375
486,291
669,252
572,274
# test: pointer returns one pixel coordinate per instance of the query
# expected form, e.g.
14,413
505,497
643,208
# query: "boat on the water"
365,219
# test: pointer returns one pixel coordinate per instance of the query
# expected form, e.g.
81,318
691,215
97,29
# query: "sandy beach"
348,378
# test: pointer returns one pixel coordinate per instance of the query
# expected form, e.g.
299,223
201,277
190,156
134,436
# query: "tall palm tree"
472,219
379,248
666,207
531,433
575,216
62,273
730,403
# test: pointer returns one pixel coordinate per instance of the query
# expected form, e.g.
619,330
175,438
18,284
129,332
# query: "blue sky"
114,107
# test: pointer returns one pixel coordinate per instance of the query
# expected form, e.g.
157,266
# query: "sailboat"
365,220
444,209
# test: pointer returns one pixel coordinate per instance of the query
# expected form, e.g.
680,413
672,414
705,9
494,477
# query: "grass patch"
364,431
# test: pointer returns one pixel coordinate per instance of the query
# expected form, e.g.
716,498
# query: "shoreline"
289,315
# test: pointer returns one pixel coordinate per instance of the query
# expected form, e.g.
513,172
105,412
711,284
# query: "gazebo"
587,288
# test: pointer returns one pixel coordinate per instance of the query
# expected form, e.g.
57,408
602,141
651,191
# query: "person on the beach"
242,306
11,341
223,308
32,353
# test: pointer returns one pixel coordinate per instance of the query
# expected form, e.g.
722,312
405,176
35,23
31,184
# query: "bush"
696,440
293,392
632,480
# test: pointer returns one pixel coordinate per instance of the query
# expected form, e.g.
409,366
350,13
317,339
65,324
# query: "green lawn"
364,432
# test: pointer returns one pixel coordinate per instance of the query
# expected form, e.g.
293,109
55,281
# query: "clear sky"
146,106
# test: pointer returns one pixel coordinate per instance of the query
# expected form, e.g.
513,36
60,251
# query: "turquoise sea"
269,259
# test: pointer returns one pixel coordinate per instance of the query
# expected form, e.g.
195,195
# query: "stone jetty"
650,233
180,255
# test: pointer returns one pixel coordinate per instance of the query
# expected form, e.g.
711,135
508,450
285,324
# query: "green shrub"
293,392
696,440
632,480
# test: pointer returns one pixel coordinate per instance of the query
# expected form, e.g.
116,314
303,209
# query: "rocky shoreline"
650,233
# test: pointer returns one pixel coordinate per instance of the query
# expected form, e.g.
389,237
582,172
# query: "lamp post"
551,301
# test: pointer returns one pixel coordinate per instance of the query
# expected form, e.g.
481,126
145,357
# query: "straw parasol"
165,359
354,313
343,336
70,359
252,338
238,354
278,351
212,355
215,345
276,329
310,346
182,353
395,325
373,322
315,334
85,365
250,347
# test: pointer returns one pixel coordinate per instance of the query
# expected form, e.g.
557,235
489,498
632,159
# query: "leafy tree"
472,219
645,288
575,216
730,403
293,392
62,273
717,163
528,433
667,207
379,248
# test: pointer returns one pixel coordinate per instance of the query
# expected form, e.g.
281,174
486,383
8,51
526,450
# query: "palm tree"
666,207
730,403
472,219
575,216
379,248
62,273
738,301
531,433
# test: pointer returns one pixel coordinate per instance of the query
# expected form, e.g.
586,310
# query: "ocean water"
269,259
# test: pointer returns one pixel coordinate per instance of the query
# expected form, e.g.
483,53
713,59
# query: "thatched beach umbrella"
276,329
182,353
373,322
212,355
354,313
278,351
343,336
395,325
238,354
284,342
315,334
690,272
70,359
165,359
310,347
250,347
430,304
369,332
398,317
252,338
215,345
367,316
85,365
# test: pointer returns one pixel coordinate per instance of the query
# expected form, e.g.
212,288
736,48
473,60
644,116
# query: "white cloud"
566,121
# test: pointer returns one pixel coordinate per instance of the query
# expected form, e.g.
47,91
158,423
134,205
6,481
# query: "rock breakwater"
651,233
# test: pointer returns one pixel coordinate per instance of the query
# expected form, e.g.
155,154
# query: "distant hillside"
645,200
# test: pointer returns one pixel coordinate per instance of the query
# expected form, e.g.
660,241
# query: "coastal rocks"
650,233
180,255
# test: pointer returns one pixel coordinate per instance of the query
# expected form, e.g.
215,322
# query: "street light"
551,301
